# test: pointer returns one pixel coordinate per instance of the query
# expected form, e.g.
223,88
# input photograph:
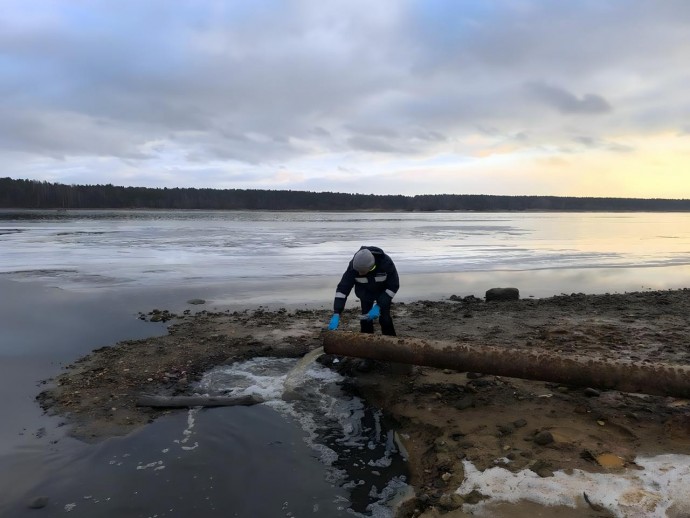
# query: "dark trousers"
386,321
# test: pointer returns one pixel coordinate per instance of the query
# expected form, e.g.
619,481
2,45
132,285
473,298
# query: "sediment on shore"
442,416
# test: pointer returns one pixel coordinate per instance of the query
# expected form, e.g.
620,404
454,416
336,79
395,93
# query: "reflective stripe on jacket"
380,285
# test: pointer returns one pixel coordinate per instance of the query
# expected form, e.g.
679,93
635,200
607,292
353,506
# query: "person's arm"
343,289
341,292
392,284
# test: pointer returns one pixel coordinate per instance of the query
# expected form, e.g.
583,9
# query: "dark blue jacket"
379,285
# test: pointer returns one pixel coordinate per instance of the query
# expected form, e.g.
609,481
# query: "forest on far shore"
32,194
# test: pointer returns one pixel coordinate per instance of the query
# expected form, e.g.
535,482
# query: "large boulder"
501,294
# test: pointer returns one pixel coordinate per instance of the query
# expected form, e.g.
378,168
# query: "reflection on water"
88,249
323,453
268,460
237,462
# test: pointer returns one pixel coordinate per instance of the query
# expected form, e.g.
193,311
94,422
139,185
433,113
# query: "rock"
474,497
423,498
501,294
450,502
464,403
590,392
504,430
474,375
39,502
610,461
544,472
196,301
438,484
520,423
440,445
543,438
542,469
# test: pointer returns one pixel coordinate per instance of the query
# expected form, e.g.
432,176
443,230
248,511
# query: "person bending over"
375,279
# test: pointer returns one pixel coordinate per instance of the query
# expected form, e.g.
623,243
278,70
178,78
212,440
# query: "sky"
511,97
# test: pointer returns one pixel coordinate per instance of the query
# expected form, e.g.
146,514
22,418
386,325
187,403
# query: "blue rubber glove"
335,320
374,312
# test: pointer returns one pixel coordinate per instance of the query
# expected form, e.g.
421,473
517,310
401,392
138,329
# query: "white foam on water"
315,401
158,464
189,431
266,377
660,487
263,377
396,489
386,460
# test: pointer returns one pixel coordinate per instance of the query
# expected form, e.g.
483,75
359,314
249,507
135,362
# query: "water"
237,461
74,281
294,380
350,439
290,257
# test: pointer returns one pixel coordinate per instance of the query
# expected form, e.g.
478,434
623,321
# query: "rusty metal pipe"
627,376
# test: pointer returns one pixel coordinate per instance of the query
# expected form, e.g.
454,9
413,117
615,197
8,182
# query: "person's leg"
386,321
366,326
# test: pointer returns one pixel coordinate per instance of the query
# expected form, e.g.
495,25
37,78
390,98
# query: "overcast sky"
573,98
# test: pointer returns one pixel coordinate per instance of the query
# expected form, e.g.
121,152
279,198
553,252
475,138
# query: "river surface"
74,281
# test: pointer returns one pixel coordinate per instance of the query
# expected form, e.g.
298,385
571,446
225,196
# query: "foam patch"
660,490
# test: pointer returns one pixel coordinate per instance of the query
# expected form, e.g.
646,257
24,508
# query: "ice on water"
92,249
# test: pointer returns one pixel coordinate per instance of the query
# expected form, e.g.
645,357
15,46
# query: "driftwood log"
612,374
192,401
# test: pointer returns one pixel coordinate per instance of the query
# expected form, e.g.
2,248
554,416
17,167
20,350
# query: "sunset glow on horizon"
414,97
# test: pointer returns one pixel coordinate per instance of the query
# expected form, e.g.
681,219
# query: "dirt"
442,416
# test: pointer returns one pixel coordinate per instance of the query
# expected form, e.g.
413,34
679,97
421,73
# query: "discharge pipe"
567,369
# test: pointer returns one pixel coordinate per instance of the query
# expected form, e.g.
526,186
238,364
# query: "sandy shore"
443,417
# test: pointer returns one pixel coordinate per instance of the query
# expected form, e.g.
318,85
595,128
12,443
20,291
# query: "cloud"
314,86
594,143
566,102
63,134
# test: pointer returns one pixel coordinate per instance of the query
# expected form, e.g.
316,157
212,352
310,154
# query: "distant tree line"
33,194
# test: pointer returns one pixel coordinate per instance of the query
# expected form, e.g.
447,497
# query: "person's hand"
333,324
374,312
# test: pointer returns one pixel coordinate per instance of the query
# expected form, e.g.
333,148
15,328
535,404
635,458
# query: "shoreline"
443,417
62,210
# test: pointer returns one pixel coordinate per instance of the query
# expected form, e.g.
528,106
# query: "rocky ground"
443,416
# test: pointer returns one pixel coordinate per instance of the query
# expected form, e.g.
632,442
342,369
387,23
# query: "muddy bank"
442,416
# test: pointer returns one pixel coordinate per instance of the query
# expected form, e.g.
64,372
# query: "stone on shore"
502,294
